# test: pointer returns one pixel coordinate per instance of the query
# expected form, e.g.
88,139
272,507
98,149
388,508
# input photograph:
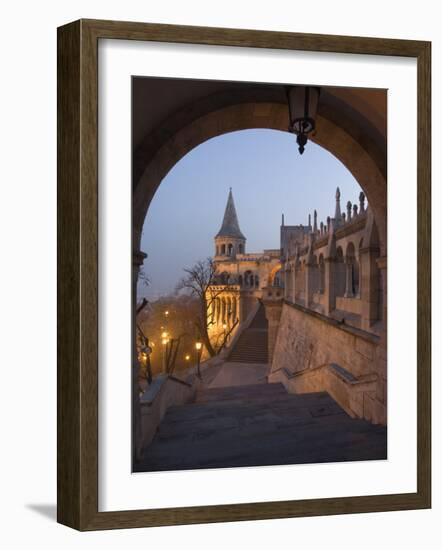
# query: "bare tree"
143,277
201,282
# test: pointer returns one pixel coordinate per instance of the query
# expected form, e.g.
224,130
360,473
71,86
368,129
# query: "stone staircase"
251,346
258,425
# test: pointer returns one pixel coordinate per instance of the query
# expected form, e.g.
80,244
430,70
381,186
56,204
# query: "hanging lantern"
303,104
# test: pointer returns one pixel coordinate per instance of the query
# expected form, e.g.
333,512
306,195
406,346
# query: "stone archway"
343,140
351,125
276,269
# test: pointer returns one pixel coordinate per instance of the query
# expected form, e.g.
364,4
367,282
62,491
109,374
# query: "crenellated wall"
316,353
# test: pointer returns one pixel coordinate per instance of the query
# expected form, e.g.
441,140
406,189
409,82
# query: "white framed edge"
119,489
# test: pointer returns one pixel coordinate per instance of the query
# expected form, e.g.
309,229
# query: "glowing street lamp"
303,104
198,347
145,353
164,341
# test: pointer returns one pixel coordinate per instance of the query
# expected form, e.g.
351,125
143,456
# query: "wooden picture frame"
78,274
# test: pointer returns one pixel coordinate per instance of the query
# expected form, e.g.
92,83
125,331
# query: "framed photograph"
231,343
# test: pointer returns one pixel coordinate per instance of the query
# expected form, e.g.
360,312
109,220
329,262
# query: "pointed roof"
230,225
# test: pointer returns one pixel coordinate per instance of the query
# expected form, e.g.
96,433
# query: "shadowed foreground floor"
257,425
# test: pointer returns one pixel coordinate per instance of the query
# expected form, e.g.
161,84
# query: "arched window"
340,273
241,248
247,278
321,274
223,249
230,249
360,268
217,250
234,312
277,279
218,309
352,272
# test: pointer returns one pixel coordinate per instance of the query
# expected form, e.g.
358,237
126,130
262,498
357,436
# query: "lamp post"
198,347
187,359
146,350
164,341
303,104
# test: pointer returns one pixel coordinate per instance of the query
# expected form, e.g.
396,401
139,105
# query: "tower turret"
229,241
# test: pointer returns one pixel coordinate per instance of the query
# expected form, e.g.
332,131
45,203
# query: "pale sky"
268,177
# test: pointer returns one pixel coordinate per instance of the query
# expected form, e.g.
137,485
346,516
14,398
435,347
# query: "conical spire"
230,225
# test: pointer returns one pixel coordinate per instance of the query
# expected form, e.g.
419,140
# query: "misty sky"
268,177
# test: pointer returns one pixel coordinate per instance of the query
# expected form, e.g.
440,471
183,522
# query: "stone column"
348,279
382,266
329,285
138,258
381,393
241,307
369,286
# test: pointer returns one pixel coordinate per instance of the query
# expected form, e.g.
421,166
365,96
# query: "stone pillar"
286,282
369,286
273,309
348,278
138,258
382,266
329,285
382,352
241,307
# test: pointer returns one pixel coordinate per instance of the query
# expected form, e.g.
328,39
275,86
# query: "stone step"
260,424
251,346
260,442
237,392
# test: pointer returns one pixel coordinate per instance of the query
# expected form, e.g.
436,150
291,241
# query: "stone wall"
309,343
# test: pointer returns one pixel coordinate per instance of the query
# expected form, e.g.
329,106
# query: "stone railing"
168,391
353,394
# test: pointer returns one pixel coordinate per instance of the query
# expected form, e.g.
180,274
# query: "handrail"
183,382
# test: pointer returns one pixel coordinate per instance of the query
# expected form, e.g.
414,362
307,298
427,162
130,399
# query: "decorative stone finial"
328,223
321,226
282,221
348,211
361,202
343,217
315,222
355,210
309,220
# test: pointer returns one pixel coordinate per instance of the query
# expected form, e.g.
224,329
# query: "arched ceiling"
162,106
171,116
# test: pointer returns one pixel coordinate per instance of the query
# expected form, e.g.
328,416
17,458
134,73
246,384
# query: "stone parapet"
307,345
